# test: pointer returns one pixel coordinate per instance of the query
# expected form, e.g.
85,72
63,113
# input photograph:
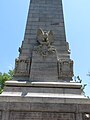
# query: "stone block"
21,67
0,115
26,46
44,67
84,108
65,68
25,51
41,115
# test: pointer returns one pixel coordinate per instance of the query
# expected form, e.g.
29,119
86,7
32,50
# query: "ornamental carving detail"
65,69
45,40
21,67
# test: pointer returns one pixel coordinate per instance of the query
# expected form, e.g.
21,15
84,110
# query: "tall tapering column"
48,16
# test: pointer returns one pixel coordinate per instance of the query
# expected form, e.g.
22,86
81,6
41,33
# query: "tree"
4,77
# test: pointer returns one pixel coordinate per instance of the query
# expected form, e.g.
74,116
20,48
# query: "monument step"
44,87
62,84
41,95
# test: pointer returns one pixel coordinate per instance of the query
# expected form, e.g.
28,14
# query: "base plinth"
43,101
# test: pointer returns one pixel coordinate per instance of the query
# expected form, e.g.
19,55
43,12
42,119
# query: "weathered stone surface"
43,89
44,68
0,115
65,69
22,67
31,110
40,115
40,16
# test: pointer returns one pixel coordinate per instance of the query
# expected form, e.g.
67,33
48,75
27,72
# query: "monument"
42,87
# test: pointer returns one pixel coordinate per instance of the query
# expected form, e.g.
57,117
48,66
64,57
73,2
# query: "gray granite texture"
42,87
43,101
42,111
44,68
47,15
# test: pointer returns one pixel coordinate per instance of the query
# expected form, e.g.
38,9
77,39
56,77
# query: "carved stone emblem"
65,69
45,39
21,67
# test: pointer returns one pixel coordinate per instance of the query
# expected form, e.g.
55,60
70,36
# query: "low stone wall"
43,111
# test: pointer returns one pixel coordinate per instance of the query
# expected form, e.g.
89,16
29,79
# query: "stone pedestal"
43,101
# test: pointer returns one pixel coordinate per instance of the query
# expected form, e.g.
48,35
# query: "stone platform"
57,88
43,101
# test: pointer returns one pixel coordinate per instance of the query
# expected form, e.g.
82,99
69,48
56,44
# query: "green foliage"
79,80
4,77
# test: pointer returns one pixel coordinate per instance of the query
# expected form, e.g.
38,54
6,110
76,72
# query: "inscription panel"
41,116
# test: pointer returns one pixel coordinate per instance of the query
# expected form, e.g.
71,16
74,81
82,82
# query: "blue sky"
13,14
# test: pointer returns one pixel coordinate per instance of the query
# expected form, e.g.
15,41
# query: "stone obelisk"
42,87
32,64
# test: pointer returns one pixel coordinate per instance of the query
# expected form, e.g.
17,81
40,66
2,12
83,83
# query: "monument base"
57,88
43,101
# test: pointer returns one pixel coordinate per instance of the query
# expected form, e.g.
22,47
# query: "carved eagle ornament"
45,37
